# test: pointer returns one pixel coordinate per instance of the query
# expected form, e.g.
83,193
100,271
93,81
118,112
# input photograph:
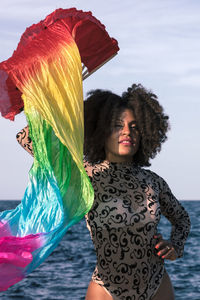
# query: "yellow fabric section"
55,91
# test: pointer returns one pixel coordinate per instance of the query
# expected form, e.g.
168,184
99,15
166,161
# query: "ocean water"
67,271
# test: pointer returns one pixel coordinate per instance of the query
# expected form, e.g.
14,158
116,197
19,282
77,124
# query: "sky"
159,47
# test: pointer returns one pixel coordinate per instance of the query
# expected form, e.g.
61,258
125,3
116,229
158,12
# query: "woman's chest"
122,199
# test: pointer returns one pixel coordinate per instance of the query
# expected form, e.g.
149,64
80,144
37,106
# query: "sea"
67,271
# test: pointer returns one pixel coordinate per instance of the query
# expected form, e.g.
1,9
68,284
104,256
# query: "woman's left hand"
165,248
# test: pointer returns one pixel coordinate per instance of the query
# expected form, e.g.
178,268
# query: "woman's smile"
126,142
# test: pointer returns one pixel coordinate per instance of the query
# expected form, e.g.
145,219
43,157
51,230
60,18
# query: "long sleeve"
177,215
24,140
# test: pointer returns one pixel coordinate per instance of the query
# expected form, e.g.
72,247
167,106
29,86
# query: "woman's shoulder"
154,176
149,172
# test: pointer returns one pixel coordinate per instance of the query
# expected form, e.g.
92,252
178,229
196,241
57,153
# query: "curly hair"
101,110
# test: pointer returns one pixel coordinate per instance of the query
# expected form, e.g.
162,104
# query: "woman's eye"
134,128
118,125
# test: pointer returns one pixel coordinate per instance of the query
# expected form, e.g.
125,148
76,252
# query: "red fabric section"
21,66
10,96
94,43
44,48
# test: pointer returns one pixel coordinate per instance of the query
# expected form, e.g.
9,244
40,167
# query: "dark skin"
165,291
165,248
121,147
119,151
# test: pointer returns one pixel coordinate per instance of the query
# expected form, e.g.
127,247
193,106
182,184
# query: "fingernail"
158,253
156,247
163,256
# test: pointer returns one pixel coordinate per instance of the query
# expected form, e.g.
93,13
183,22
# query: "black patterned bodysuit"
127,207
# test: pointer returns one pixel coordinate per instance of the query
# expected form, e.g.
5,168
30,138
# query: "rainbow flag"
44,76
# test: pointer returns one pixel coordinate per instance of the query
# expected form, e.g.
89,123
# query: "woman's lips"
126,142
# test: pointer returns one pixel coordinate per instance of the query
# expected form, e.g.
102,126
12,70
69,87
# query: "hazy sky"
159,47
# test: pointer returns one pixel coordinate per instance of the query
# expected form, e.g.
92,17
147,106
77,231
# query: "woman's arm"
24,140
177,215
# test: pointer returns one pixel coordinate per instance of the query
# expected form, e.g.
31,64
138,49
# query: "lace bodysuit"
127,207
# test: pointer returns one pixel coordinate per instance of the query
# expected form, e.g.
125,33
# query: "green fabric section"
56,161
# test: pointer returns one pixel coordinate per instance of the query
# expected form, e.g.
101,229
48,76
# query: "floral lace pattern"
127,207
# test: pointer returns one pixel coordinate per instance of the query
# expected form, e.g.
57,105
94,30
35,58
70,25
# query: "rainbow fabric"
46,71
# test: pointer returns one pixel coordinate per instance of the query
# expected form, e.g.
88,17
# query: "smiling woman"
121,135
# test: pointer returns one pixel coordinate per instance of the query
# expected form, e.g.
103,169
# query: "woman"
121,135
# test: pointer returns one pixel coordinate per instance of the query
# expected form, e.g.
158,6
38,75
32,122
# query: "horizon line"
177,199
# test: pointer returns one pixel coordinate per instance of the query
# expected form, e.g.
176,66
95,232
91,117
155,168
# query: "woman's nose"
126,130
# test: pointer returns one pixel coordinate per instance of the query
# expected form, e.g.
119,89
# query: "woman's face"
123,142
